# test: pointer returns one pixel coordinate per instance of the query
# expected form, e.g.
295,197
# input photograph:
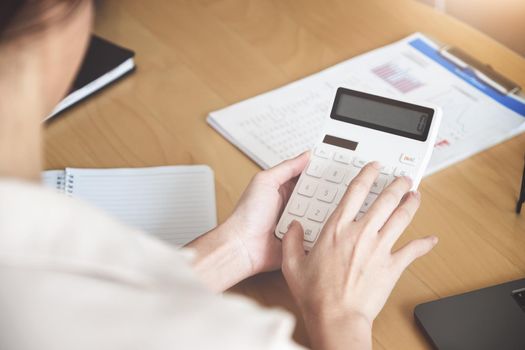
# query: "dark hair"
21,16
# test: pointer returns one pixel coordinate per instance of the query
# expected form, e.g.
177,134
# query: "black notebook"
103,64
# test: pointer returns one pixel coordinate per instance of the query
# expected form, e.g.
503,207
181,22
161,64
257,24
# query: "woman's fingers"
286,189
400,218
387,201
288,169
413,250
293,250
356,193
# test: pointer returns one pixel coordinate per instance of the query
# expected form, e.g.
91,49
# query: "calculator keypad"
311,231
317,212
298,206
307,187
323,185
379,184
343,158
323,153
327,193
335,174
315,168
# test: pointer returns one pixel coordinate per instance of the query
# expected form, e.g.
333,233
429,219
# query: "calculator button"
307,187
323,153
311,231
342,158
386,169
401,172
298,206
352,172
327,193
339,195
335,174
315,169
285,224
359,162
379,184
368,202
317,212
407,159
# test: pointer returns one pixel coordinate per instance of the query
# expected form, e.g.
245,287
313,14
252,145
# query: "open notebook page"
54,179
173,203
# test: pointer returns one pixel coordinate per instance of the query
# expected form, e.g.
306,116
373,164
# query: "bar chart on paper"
397,76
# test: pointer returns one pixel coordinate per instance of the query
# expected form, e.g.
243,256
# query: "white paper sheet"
279,124
173,203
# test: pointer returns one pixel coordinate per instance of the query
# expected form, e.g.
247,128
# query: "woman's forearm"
220,259
346,332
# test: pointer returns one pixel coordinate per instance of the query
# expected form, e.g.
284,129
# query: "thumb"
289,169
293,250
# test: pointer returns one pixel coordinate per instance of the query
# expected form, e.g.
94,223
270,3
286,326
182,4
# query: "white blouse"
73,278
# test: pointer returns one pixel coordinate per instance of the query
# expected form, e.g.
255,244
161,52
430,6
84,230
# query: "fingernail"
417,194
376,165
435,240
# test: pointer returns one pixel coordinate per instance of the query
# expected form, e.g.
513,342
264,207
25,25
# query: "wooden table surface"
197,56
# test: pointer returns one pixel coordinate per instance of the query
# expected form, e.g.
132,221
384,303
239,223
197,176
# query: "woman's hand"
244,244
345,280
257,212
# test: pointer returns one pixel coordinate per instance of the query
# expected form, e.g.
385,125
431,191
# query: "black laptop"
489,318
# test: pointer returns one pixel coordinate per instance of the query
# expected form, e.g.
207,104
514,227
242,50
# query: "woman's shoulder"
107,278
37,223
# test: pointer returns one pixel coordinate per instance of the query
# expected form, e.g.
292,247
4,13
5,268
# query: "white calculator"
362,128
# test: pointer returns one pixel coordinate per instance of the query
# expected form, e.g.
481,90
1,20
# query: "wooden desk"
200,55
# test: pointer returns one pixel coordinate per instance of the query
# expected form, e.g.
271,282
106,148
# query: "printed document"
280,124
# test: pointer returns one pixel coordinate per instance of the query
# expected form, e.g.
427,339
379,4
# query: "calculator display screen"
380,113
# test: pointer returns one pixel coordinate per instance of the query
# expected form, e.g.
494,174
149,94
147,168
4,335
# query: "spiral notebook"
104,63
174,203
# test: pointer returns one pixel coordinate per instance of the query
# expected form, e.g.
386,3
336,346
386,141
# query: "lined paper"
173,203
54,179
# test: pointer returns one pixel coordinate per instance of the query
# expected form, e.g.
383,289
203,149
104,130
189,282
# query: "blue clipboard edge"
432,52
